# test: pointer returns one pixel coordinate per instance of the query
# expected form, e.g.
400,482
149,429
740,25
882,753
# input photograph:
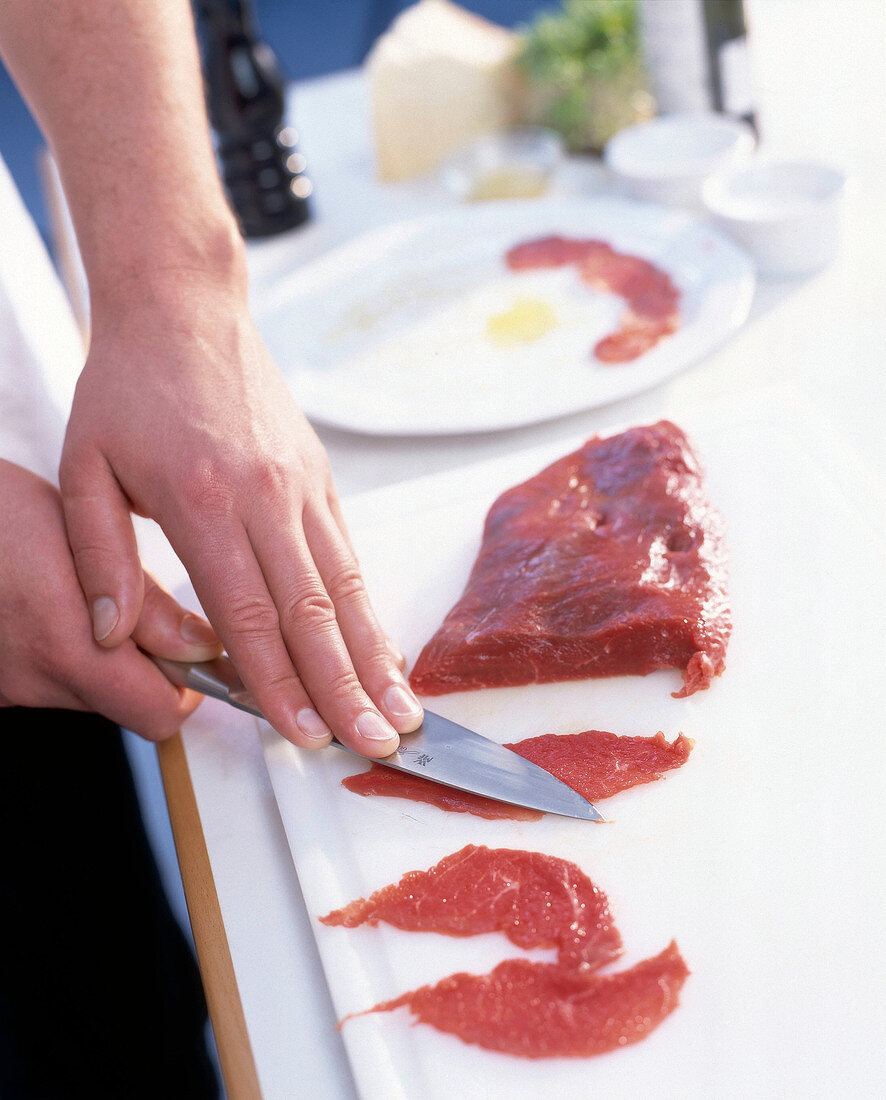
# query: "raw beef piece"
650,295
636,335
379,780
597,764
534,899
647,289
545,1010
554,251
609,562
530,1009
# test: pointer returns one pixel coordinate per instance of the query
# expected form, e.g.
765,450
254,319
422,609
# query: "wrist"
169,265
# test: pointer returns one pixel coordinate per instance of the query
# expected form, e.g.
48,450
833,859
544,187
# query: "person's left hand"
48,656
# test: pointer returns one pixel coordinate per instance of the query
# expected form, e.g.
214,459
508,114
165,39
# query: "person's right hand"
48,655
181,415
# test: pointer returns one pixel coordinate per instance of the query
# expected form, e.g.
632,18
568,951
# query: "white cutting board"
762,857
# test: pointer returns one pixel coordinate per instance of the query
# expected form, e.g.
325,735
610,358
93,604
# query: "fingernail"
374,728
312,725
197,631
105,616
400,701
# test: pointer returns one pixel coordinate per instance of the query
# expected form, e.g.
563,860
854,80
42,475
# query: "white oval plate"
387,334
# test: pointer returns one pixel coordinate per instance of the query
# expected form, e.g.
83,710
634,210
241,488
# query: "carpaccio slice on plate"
649,293
553,251
609,562
534,899
546,1010
596,764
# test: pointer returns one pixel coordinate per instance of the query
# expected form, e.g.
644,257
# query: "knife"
439,749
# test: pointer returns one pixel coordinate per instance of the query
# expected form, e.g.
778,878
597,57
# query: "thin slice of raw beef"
595,763
389,783
545,1010
609,562
534,899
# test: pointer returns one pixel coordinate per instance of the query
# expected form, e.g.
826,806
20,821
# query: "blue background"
310,37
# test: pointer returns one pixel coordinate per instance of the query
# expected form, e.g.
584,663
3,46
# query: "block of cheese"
439,77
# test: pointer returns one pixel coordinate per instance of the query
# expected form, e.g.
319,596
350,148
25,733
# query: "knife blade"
439,749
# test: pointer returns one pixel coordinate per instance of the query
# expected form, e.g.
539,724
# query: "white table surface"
821,87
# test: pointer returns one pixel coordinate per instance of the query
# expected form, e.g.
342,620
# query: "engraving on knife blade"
421,758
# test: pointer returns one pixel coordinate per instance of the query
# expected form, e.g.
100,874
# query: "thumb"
102,541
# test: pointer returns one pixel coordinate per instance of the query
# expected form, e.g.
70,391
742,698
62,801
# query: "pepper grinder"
261,167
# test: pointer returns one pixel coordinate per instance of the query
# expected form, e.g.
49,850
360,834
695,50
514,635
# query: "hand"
48,657
181,415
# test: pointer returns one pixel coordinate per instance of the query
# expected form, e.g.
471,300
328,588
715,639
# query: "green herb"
584,70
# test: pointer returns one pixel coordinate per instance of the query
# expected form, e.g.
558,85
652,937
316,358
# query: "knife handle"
217,678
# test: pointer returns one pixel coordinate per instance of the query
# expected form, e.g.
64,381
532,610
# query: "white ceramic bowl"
785,213
668,158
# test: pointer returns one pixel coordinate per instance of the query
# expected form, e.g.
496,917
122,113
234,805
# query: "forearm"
180,413
116,88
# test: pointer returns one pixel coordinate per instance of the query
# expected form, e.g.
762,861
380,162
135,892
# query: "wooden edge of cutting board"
213,953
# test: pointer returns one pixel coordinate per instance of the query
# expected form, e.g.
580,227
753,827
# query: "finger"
335,509
103,545
367,644
233,591
165,629
308,622
127,687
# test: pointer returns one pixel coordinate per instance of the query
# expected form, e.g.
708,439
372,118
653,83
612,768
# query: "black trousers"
99,994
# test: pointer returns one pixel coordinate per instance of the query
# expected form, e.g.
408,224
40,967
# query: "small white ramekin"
785,213
667,159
